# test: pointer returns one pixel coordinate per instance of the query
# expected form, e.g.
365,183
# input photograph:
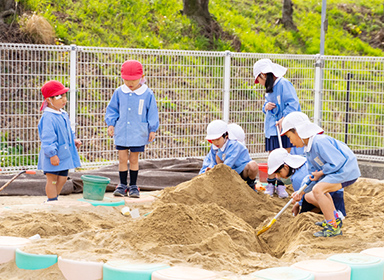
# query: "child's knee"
253,167
134,157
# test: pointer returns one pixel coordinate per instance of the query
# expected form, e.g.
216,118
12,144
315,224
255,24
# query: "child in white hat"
230,152
330,162
285,165
280,100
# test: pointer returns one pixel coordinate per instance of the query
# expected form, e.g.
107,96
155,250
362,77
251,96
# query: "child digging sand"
330,162
285,165
230,152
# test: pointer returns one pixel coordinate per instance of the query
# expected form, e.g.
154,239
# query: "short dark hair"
279,169
269,81
293,130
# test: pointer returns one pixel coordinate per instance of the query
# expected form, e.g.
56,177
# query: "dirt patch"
210,222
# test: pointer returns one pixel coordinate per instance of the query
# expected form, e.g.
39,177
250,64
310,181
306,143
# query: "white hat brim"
308,129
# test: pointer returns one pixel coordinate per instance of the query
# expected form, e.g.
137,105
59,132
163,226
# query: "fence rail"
343,94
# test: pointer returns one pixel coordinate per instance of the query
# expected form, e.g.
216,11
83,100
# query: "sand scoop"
267,227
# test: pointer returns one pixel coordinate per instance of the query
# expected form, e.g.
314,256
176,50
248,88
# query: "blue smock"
57,138
333,157
235,155
298,177
209,160
133,114
289,102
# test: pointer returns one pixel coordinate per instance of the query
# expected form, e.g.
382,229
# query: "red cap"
52,88
131,70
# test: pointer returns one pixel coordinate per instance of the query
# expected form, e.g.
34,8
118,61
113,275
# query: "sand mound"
224,187
210,221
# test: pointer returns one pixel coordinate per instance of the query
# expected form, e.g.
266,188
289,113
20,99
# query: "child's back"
334,158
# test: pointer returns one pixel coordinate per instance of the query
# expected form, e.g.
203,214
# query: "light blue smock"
289,102
133,114
235,155
299,175
57,138
334,158
209,160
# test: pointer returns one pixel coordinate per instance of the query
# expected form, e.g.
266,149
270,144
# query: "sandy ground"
208,222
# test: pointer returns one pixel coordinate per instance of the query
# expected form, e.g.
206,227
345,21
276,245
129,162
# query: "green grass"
159,24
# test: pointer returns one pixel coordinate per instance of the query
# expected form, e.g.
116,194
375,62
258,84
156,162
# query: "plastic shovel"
17,175
278,135
267,227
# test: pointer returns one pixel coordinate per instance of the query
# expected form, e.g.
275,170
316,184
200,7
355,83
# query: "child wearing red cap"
58,151
132,119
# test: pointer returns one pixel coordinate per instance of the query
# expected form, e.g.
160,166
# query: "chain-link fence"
192,88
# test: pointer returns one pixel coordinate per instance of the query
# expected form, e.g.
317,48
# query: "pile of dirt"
210,222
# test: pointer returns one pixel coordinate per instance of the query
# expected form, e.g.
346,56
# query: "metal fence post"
72,88
227,85
318,90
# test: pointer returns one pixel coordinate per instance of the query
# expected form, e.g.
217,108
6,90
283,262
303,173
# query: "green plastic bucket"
94,186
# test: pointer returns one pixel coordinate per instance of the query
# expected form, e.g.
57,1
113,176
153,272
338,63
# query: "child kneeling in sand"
284,165
230,152
331,163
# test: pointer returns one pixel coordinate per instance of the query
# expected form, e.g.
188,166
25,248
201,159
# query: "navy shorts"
348,183
132,149
338,201
60,173
273,143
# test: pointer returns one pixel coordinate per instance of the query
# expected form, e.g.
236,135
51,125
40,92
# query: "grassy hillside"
354,25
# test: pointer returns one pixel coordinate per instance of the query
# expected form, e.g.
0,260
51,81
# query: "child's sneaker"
281,192
339,221
121,190
134,191
329,231
270,189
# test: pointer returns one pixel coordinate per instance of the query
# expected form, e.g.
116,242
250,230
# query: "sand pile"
210,221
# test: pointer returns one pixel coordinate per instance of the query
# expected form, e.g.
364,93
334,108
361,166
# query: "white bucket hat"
236,132
300,121
216,129
280,156
267,66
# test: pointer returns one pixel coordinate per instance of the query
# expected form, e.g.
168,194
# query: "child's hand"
111,130
218,160
316,175
270,106
296,196
78,143
295,209
279,123
55,160
152,136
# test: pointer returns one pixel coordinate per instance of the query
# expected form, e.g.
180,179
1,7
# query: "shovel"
267,227
17,175
278,135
